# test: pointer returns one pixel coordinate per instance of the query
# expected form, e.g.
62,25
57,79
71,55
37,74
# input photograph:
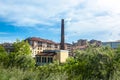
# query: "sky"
84,19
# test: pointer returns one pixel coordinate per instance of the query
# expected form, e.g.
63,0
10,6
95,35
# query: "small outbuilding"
49,56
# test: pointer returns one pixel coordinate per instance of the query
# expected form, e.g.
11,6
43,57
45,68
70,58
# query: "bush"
93,64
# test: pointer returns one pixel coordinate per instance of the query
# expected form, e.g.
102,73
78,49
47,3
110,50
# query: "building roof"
68,44
48,53
41,40
45,54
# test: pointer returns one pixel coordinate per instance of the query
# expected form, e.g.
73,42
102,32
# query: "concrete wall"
63,55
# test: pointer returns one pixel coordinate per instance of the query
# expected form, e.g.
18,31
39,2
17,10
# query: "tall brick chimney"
62,44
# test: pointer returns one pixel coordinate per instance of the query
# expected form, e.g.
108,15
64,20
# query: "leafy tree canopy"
21,47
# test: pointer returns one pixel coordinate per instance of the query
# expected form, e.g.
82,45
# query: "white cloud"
96,16
111,6
34,11
82,16
8,39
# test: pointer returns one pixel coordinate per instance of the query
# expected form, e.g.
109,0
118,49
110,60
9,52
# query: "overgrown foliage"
3,55
20,57
94,63
46,72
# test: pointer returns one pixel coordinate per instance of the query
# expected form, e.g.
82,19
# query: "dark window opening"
50,59
43,59
38,59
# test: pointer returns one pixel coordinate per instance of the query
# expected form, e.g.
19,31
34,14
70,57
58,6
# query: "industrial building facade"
82,44
113,45
49,56
37,45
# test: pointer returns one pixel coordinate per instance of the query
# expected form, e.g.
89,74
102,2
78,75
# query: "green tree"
21,57
21,47
3,55
2,50
94,63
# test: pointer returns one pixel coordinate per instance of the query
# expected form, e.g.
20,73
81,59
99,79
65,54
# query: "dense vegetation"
94,63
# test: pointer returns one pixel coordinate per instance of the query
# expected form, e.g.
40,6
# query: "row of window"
41,44
41,48
44,59
44,44
37,52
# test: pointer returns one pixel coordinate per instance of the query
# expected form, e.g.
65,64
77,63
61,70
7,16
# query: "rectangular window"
43,59
50,59
38,58
38,52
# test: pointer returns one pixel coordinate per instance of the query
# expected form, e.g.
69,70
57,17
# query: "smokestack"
62,45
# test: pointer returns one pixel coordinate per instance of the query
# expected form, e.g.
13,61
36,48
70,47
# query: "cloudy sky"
84,19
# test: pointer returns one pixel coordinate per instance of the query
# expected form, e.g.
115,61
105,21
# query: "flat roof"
45,54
